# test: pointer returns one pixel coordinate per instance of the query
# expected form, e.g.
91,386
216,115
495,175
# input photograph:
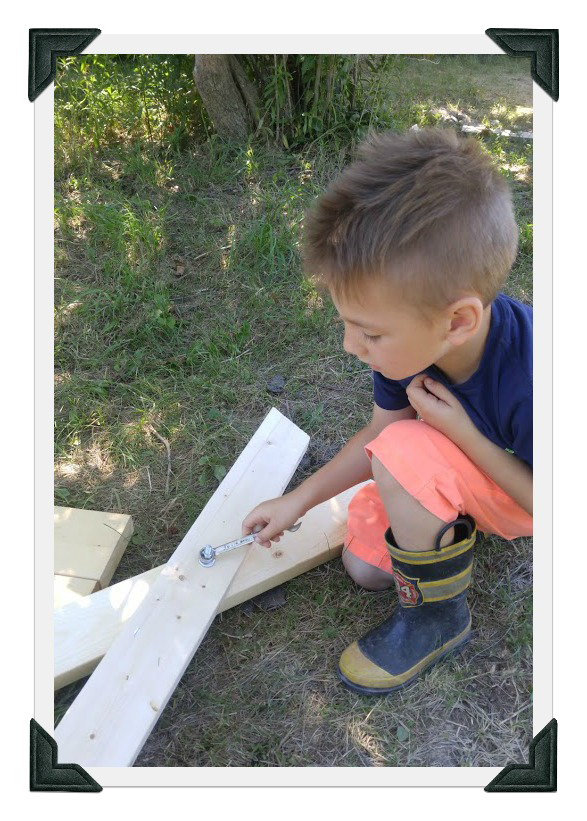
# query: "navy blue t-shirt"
498,396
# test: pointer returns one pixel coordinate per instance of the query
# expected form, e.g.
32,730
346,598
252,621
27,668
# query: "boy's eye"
363,334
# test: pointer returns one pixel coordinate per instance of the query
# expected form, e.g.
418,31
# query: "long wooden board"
109,721
84,630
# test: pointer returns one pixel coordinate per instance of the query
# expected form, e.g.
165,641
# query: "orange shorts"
438,474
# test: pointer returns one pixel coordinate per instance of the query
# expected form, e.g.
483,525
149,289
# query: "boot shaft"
439,575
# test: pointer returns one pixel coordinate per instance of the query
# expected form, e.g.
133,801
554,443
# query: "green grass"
178,296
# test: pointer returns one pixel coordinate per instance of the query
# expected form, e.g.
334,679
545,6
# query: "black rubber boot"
433,618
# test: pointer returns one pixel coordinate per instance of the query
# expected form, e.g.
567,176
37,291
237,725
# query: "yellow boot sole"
361,675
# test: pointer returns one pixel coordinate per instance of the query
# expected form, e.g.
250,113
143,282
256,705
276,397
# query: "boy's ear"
465,317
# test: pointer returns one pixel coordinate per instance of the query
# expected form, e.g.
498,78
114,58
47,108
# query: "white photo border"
543,286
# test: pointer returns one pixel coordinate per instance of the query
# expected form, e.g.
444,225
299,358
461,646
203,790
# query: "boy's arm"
510,473
440,408
351,464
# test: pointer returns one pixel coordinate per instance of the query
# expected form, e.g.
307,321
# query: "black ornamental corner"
46,775
539,44
539,775
45,46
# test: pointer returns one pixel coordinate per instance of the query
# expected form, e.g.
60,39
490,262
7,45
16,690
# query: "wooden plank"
114,713
85,629
68,589
89,543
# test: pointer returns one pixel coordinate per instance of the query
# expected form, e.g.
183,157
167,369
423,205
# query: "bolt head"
207,557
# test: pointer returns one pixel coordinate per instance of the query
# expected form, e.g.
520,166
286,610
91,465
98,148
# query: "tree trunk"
247,89
221,96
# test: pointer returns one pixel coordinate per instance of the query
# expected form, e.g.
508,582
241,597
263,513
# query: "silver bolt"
207,556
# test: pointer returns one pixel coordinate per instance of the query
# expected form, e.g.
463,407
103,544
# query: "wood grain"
85,629
111,718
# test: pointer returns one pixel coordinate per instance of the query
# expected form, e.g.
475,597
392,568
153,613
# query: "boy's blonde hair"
427,210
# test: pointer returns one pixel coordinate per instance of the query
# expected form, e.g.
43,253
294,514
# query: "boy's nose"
346,343
351,345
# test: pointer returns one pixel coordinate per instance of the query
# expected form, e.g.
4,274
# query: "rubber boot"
432,619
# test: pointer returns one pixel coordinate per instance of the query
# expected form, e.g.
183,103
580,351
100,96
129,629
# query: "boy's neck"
461,363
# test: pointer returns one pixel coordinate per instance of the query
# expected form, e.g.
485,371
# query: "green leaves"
208,466
309,97
219,472
402,734
101,99
160,312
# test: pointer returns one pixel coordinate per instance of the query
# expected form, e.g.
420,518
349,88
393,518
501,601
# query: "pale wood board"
68,590
85,629
89,544
109,721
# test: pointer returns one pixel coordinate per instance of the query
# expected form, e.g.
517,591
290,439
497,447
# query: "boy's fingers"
416,386
426,390
432,385
417,381
437,389
263,537
251,524
248,523
261,528
416,395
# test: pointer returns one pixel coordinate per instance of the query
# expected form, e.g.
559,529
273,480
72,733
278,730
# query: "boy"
413,242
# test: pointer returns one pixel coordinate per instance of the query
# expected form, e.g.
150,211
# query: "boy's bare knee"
365,574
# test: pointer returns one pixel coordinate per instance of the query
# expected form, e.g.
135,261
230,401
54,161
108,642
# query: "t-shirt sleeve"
389,394
522,430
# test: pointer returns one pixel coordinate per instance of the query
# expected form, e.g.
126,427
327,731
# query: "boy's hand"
438,407
273,516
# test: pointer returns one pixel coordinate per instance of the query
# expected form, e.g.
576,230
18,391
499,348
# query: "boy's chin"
395,376
387,374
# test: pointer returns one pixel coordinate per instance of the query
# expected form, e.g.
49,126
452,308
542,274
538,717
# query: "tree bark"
247,89
221,95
